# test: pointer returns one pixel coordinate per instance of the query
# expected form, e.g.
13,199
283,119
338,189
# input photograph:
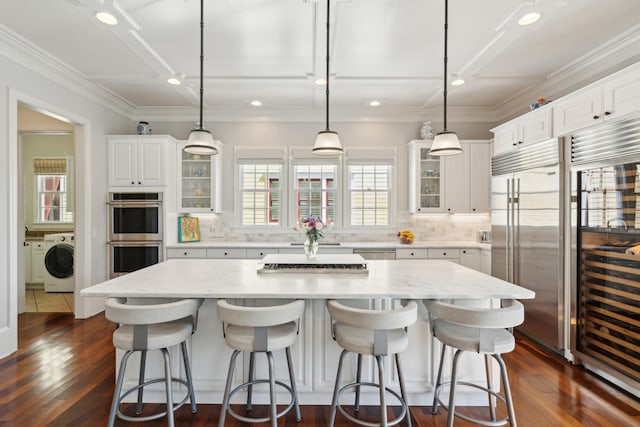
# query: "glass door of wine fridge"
607,269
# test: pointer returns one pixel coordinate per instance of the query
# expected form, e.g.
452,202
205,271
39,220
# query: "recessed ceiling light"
374,103
174,81
529,18
256,103
106,18
457,81
321,82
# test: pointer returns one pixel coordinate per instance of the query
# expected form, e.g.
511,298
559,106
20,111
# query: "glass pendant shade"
445,144
201,142
327,144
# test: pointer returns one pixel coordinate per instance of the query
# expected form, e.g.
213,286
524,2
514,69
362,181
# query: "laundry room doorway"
46,171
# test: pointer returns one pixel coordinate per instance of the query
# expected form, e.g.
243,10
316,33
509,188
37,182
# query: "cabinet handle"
607,113
596,117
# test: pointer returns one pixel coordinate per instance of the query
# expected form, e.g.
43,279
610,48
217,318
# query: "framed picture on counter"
188,229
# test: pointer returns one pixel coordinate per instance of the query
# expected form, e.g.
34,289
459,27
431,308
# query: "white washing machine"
58,262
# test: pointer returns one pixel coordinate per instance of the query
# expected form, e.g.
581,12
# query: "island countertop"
236,278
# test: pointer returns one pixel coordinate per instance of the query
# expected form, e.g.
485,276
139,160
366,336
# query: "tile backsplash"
426,227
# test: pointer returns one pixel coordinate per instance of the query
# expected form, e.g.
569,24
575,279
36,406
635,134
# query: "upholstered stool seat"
263,330
376,333
480,330
150,324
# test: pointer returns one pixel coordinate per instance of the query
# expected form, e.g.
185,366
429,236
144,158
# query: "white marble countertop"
351,245
215,278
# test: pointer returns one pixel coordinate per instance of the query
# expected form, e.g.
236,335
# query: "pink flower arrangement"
312,226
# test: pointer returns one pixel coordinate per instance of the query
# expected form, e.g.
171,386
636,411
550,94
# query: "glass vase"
310,248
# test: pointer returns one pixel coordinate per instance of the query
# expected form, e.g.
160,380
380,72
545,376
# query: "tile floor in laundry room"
39,301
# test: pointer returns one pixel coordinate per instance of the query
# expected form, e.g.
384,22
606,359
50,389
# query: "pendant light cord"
446,28
327,72
201,60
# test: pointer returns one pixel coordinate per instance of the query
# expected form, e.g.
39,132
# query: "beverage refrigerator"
605,251
527,235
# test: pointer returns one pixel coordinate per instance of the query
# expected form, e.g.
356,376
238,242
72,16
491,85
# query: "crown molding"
602,61
30,56
212,114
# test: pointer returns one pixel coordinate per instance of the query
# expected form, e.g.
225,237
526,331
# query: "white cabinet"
186,253
485,261
426,186
454,184
608,99
37,262
229,253
467,179
470,258
199,181
532,127
412,253
137,161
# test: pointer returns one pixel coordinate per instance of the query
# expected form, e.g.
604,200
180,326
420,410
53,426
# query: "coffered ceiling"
274,50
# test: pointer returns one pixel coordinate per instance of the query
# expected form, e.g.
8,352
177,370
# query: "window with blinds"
260,193
315,191
369,194
52,195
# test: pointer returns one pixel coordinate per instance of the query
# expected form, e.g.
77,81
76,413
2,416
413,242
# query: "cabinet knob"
514,144
185,254
473,209
225,254
133,182
261,254
444,253
464,252
139,183
411,253
596,117
607,113
520,142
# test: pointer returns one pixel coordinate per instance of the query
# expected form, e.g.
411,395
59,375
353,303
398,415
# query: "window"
52,196
369,194
260,188
315,191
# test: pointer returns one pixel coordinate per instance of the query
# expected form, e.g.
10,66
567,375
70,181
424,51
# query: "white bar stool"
145,324
260,329
377,333
480,330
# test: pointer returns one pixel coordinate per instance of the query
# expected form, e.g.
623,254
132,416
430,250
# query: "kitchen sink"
319,243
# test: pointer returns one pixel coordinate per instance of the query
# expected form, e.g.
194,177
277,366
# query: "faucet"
620,221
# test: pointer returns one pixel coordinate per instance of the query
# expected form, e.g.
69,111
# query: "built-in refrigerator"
527,234
605,272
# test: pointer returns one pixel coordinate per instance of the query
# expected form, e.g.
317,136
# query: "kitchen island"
315,354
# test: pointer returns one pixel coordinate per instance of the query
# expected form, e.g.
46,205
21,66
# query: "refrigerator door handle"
516,230
508,233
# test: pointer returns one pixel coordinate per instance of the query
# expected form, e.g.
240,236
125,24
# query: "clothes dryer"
58,262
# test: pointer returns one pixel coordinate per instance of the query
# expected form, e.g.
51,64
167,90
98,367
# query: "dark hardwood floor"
63,375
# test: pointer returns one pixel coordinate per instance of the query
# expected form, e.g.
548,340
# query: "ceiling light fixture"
445,143
106,18
200,140
321,82
374,103
256,103
327,141
457,81
174,81
529,18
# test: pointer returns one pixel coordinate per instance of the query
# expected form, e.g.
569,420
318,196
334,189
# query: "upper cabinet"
532,127
137,160
454,184
199,181
608,99
426,186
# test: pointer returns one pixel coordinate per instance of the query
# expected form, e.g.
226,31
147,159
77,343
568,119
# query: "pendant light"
200,140
327,141
446,142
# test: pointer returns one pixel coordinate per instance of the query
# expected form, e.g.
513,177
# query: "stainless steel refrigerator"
527,234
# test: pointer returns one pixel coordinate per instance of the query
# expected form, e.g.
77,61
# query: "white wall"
23,84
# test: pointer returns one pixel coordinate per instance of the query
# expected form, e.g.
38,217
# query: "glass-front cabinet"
199,181
426,184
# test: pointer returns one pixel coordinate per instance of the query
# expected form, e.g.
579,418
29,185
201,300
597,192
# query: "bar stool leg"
383,404
403,391
507,390
272,390
358,380
116,394
252,358
167,381
492,399
187,371
294,388
434,405
227,388
336,387
143,363
452,391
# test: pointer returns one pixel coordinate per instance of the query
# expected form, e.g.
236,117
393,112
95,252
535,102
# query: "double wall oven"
135,231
